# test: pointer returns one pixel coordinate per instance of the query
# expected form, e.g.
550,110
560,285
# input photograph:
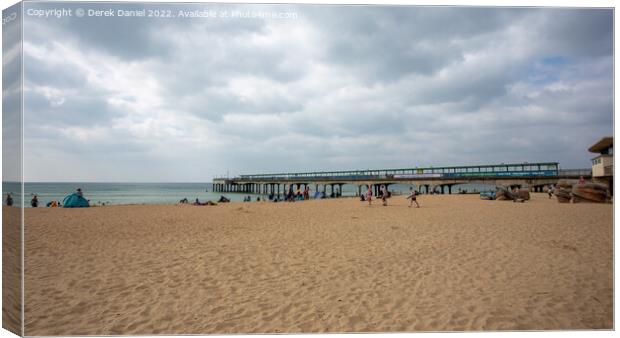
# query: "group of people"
34,200
384,194
290,195
197,202
299,195
249,199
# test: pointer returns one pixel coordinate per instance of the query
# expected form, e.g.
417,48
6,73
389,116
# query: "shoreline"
401,194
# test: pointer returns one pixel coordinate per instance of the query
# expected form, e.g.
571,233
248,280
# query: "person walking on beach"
412,196
369,195
291,196
384,196
9,200
550,190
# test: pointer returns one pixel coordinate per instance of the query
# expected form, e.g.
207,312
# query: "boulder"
563,191
524,194
504,194
589,192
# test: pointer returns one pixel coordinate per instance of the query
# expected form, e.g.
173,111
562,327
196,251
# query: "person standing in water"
34,202
412,196
9,200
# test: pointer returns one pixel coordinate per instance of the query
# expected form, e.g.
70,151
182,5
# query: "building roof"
602,144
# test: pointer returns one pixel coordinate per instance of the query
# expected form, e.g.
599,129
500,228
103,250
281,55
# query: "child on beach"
369,195
412,197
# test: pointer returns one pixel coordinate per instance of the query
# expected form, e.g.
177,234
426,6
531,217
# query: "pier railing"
496,170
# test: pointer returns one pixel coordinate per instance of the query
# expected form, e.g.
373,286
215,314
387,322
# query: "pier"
426,180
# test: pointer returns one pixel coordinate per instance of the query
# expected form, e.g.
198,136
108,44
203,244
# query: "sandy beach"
11,270
457,263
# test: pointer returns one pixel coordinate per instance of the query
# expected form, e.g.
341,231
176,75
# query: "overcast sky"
334,88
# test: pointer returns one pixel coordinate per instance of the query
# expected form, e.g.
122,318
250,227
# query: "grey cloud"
575,32
371,87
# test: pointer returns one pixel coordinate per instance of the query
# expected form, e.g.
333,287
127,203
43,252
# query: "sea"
157,193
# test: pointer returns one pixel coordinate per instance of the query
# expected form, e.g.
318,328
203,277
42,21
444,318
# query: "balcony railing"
575,172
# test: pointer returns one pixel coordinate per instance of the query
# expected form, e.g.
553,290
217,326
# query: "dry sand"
11,270
457,263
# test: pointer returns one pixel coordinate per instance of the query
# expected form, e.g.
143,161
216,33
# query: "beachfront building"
603,164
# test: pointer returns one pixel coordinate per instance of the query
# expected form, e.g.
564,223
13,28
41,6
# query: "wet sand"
457,263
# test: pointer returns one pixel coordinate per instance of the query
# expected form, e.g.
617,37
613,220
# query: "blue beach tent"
75,201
